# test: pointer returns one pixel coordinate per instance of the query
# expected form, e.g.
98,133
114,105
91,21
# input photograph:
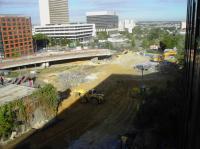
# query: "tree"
65,42
180,56
48,96
6,120
172,40
102,35
40,40
132,42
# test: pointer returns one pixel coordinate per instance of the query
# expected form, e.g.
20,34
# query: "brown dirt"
93,124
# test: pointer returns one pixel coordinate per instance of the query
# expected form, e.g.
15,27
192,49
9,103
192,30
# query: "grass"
13,74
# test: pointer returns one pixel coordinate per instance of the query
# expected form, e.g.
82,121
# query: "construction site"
100,108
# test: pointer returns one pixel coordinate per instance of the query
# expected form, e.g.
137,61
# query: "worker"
2,80
30,82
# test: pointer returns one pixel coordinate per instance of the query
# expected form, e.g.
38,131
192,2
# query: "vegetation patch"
48,97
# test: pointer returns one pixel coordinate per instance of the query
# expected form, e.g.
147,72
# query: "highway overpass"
48,57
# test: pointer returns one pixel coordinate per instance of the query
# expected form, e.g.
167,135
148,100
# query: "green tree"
102,35
48,96
180,56
133,42
6,120
65,42
173,40
40,40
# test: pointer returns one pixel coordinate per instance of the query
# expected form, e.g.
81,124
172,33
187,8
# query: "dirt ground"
83,126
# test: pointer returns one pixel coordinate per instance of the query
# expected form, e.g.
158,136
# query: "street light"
143,88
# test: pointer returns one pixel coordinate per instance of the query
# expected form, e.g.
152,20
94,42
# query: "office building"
15,36
183,25
103,20
126,25
79,32
191,134
54,12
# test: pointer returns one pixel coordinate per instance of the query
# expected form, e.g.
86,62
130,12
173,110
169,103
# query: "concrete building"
126,25
183,25
54,12
103,20
80,32
15,36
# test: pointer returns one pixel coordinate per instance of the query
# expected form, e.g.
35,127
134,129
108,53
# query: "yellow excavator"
91,97
169,53
157,58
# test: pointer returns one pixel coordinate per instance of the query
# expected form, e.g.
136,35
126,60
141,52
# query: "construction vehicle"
91,97
135,92
157,58
168,54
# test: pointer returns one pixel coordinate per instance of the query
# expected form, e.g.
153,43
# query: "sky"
138,10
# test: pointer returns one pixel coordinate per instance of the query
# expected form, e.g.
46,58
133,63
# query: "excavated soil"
83,126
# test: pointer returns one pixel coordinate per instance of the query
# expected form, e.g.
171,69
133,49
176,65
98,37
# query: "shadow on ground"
147,123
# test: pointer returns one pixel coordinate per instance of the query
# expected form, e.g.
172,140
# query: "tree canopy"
40,40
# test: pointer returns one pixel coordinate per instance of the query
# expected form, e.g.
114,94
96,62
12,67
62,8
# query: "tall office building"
103,20
126,25
15,36
54,12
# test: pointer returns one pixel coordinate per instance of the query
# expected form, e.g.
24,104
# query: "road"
52,57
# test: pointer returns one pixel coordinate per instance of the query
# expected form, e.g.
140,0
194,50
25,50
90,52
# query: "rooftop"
99,13
13,15
65,25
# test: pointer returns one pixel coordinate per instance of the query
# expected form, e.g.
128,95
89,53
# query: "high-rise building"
15,36
126,25
103,20
183,25
54,12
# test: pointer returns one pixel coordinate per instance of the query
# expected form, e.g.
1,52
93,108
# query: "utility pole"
143,85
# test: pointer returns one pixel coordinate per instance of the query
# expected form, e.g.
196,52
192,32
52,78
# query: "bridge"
46,58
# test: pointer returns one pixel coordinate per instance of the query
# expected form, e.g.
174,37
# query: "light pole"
142,69
143,85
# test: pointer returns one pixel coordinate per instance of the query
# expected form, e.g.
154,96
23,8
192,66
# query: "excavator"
91,97
157,58
166,56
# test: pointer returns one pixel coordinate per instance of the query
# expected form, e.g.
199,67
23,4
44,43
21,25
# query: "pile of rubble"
71,79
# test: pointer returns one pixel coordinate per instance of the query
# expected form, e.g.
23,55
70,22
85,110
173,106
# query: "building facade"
103,20
191,134
15,36
183,25
79,32
54,12
126,25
